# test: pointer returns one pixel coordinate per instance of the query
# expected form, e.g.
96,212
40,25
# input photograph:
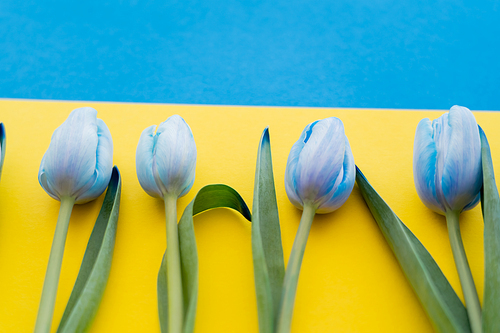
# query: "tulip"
320,170
75,169
447,171
319,177
165,165
166,160
79,160
447,161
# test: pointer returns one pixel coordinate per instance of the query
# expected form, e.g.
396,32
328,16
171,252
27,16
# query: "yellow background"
350,280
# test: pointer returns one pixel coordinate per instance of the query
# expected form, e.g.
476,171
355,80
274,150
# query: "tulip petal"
424,166
104,165
42,179
291,166
317,171
175,156
473,203
69,163
344,189
144,162
462,170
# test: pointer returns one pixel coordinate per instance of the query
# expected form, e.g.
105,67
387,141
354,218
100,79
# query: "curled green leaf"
94,272
209,197
439,300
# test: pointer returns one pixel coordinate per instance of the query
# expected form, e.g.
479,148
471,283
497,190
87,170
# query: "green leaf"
161,290
490,204
2,147
94,272
268,262
209,197
439,300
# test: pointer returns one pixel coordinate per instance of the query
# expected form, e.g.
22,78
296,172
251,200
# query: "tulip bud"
79,160
166,160
320,169
447,166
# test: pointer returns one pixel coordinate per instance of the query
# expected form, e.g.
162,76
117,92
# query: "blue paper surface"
346,53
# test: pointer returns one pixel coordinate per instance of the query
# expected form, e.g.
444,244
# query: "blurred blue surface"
345,53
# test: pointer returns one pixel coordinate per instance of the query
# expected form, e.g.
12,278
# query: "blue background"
345,53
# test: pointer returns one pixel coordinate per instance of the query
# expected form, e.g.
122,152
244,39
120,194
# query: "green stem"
49,291
470,294
174,278
284,320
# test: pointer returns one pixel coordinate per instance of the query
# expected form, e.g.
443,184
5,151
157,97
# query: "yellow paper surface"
350,281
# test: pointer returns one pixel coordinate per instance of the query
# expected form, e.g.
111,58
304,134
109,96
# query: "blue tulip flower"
447,170
320,169
166,160
76,168
447,161
319,177
165,164
79,161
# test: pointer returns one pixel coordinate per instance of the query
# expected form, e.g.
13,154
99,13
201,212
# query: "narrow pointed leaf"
268,262
94,272
490,204
209,197
439,300
2,147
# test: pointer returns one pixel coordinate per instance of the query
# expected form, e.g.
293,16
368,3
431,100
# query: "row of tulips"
450,154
